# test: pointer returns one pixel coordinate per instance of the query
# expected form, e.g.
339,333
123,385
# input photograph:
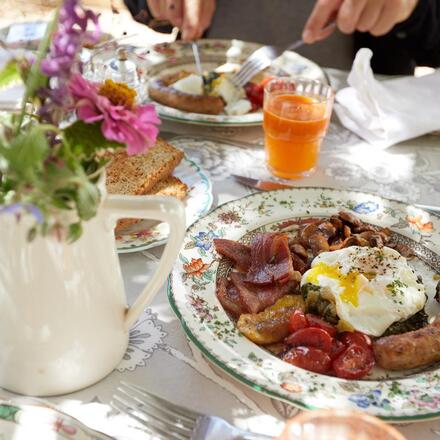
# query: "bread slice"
136,175
171,186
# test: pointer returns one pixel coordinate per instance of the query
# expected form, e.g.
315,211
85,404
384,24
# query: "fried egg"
371,287
192,84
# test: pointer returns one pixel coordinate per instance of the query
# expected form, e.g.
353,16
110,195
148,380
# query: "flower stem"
32,80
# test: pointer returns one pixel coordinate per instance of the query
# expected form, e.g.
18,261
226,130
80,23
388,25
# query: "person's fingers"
155,6
370,15
393,12
389,16
174,12
349,14
192,14
207,14
322,13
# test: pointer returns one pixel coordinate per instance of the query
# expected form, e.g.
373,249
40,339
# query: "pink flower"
135,126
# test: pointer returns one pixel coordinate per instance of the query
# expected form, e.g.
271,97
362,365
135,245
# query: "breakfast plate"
169,58
394,396
147,235
38,421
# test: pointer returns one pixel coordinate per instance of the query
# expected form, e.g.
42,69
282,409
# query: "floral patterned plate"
170,57
146,235
37,421
191,290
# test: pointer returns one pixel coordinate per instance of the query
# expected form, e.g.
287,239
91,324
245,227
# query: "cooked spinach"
414,322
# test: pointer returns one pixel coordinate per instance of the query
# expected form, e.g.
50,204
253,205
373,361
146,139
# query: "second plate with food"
411,260
147,235
171,58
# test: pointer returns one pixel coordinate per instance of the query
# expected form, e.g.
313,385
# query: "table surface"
159,357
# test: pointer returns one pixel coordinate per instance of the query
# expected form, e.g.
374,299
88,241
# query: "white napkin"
10,97
385,113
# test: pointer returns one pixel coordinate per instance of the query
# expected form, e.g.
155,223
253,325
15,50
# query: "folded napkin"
385,113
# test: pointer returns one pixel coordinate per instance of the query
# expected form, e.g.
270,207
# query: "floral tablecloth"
159,356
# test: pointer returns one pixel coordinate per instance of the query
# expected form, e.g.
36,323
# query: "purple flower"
18,208
62,59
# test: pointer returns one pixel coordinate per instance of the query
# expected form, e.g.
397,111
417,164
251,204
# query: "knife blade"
269,185
195,49
262,185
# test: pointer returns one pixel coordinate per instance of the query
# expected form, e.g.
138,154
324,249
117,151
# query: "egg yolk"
350,282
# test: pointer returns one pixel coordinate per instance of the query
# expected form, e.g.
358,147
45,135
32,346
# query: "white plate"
403,396
146,235
167,58
37,421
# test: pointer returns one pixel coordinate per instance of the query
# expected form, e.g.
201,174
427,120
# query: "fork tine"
243,79
167,418
152,422
244,75
151,427
162,404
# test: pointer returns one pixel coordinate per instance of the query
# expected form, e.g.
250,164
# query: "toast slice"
136,175
171,186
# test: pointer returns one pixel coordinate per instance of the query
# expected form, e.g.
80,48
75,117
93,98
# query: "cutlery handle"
211,427
434,209
166,209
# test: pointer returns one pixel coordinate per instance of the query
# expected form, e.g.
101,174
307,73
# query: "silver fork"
263,57
167,420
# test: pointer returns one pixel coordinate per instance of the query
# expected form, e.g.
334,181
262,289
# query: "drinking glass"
338,425
296,117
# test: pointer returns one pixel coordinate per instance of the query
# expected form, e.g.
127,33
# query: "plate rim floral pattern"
216,338
210,47
63,426
136,244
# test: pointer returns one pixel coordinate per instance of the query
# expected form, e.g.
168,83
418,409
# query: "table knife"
269,185
195,49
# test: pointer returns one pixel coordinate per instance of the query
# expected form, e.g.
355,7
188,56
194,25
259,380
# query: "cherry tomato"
255,94
355,362
337,349
311,337
314,321
297,321
357,338
309,358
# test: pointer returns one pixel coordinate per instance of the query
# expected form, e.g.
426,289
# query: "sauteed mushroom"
350,218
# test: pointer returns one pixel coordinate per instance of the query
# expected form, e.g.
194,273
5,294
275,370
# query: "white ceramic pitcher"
64,323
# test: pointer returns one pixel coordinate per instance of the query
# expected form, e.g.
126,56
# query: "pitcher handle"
167,209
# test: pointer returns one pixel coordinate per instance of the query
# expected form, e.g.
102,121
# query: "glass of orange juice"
338,425
296,117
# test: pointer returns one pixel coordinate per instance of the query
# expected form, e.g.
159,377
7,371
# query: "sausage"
160,90
409,350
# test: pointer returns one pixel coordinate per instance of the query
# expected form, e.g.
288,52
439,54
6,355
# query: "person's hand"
377,17
192,17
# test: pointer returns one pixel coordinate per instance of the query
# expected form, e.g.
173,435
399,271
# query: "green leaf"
27,153
75,231
85,139
10,74
87,199
32,233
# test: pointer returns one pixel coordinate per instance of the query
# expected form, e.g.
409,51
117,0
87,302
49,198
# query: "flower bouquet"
54,151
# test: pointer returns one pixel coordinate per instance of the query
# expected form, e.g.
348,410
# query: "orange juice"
294,126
